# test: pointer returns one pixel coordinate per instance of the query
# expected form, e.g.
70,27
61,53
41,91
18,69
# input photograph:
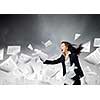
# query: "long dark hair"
71,47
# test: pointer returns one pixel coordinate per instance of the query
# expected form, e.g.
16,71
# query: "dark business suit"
73,59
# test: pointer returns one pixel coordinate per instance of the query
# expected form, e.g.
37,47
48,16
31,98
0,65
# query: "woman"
69,57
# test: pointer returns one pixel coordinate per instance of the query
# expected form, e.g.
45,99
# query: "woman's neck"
66,53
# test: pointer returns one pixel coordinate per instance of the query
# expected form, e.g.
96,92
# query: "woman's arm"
59,60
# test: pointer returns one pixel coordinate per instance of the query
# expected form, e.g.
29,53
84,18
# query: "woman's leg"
77,82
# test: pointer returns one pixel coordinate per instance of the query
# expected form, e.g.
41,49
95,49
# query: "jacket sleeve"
77,64
59,60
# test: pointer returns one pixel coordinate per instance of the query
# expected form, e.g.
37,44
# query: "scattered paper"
97,42
25,69
8,65
67,80
40,54
50,73
23,58
30,47
86,47
15,58
47,44
1,54
91,79
12,50
94,57
77,35
89,71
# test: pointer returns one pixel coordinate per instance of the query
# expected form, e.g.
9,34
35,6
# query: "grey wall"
25,29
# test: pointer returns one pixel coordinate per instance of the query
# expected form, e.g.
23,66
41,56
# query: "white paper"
67,80
77,35
8,65
86,47
26,69
23,58
48,43
17,73
40,54
1,54
91,79
12,50
89,71
15,58
97,42
94,57
50,73
30,47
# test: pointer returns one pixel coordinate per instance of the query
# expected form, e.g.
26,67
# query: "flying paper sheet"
48,43
86,47
8,65
97,42
40,54
77,35
23,58
94,57
12,50
30,47
1,54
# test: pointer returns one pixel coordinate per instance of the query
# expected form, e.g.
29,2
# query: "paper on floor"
89,71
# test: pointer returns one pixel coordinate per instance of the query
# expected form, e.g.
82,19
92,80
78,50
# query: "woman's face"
63,48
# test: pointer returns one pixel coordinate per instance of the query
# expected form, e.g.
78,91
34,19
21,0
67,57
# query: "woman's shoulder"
73,56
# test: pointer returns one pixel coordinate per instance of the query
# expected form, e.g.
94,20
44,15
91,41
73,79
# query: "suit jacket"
73,59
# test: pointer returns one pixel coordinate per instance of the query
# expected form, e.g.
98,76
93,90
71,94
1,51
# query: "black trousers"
77,82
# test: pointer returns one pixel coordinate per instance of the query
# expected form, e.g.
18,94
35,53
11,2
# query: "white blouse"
69,69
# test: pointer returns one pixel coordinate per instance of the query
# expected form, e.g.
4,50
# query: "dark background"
23,29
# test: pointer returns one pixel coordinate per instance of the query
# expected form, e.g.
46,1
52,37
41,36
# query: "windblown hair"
72,49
